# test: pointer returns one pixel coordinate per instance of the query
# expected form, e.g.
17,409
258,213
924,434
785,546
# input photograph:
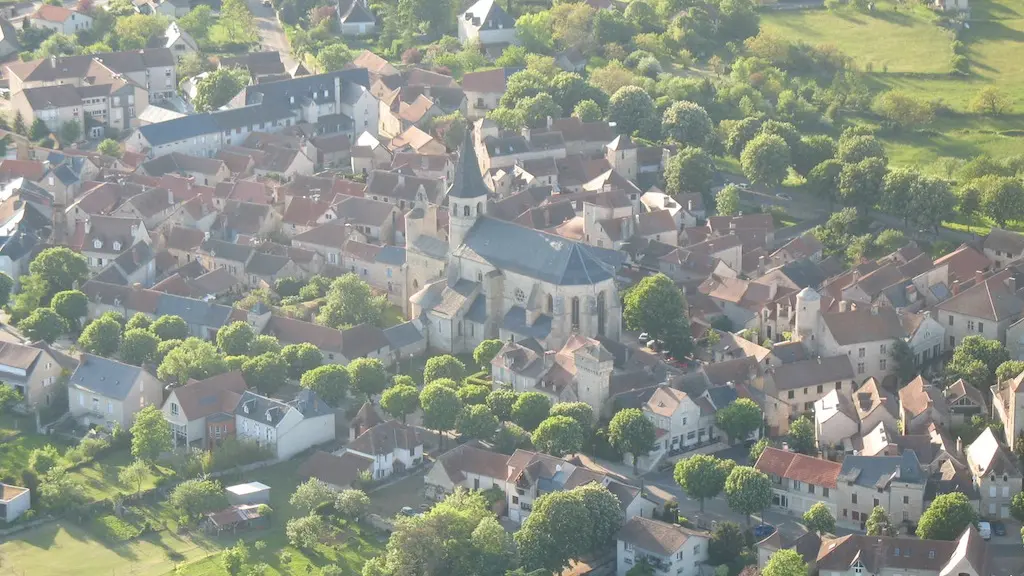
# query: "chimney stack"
88,226
844,306
959,445
979,276
956,287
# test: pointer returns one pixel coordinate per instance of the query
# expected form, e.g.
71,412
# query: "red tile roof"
799,467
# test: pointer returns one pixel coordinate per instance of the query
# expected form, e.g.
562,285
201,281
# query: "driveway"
271,33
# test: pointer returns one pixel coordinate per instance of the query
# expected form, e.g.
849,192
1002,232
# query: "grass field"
99,479
63,548
906,50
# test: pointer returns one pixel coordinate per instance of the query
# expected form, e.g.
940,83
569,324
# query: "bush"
114,530
960,64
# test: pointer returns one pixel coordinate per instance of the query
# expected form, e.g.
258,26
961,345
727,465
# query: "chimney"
956,287
170,196
760,264
53,61
979,276
137,286
959,445
1011,283
550,122
549,358
88,226
911,293
874,309
844,306
689,205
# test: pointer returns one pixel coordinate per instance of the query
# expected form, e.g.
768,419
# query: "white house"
668,548
676,417
287,428
14,501
487,22
391,445
202,412
107,392
60,19
835,419
469,466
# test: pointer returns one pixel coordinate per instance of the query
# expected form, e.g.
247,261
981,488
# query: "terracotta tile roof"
304,211
665,401
655,536
52,13
220,393
799,467
293,331
1004,241
472,459
964,262
187,239
918,396
385,438
864,325
992,300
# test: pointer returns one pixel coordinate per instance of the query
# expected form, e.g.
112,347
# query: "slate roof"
987,456
105,377
385,438
539,255
354,13
864,325
992,300
655,536
402,335
880,471
220,393
472,459
219,120
812,372
1004,241
488,15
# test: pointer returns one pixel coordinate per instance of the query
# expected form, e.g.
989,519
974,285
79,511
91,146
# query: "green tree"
138,321
727,544
169,327
854,148
219,87
134,474
564,525
43,459
991,100
444,366
511,437
311,495
530,409
265,372
880,524
301,358
352,504
151,434
823,180
198,22
739,419
473,394
134,32
801,436
811,151
588,111
657,306
501,402
632,110
748,491
235,338
192,359
1009,370
138,347
1017,506
757,449
368,376
305,532
350,301
330,382
691,170
702,476
476,422
6,285
632,433
581,412
766,159
236,24
59,268
71,132
235,557
819,519
486,351
1002,198
333,57
689,124
42,324
400,400
727,201
264,344
558,436
441,409
785,562
19,124
947,517
976,360
861,184
903,109
534,32
101,337
165,348
39,130
72,305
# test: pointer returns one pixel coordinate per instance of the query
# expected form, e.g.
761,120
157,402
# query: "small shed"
14,501
249,493
234,518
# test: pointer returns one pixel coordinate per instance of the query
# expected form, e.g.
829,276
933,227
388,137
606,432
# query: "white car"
985,530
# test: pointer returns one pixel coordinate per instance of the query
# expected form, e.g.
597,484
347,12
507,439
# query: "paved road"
271,33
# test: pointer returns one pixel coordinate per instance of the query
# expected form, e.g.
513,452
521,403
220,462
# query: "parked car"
999,529
407,511
985,530
762,531
644,336
783,196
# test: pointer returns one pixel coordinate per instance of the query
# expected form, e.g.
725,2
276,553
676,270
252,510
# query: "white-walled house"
469,466
201,413
107,392
668,548
286,428
676,417
391,445
487,22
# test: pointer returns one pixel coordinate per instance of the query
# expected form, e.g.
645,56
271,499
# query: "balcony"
659,563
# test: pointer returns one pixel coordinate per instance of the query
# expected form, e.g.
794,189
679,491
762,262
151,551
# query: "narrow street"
271,33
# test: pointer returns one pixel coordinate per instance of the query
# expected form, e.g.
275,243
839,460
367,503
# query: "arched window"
600,314
479,208
551,304
465,210
575,312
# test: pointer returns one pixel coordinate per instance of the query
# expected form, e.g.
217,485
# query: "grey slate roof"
193,311
515,322
877,471
393,255
271,411
478,310
105,377
218,120
539,255
402,335
282,92
468,182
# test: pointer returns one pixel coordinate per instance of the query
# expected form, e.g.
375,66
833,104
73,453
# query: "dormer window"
97,243
325,93
117,246
858,568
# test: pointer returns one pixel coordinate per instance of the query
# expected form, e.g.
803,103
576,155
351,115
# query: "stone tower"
594,366
621,153
467,196
808,309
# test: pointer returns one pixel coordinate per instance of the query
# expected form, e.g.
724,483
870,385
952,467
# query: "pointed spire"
468,182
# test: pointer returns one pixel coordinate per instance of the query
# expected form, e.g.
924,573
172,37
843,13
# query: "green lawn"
100,477
63,548
17,440
904,41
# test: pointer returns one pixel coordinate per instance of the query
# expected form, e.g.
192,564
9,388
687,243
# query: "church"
496,279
